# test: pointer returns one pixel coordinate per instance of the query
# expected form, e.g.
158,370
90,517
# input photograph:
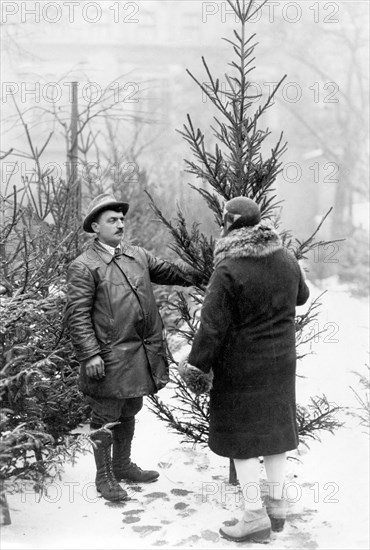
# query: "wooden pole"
232,473
4,506
75,184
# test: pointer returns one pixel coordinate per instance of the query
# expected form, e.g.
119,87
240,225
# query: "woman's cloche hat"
241,212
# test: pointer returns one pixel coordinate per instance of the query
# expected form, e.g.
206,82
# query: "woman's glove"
196,380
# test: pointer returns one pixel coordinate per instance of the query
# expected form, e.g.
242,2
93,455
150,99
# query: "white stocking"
275,466
248,473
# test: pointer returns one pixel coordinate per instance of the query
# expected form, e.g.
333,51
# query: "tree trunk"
232,473
4,507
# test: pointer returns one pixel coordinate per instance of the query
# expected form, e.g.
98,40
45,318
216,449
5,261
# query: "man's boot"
277,510
123,468
255,526
106,483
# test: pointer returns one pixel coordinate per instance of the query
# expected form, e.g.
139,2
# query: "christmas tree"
236,166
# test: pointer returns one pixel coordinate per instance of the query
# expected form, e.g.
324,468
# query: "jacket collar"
126,249
257,241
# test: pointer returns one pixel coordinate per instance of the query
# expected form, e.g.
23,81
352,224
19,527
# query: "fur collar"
257,241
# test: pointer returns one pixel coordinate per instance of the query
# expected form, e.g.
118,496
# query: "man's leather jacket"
111,311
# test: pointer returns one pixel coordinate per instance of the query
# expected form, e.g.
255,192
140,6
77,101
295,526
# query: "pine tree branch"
310,244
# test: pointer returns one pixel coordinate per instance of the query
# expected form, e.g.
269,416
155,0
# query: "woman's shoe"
276,510
255,526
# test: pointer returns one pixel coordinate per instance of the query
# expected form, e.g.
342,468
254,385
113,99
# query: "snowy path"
328,489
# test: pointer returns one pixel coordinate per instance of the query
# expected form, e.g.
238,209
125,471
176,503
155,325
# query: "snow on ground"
327,488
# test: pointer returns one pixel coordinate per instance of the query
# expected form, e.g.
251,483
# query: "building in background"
141,50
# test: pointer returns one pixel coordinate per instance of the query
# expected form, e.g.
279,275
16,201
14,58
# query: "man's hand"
199,278
95,367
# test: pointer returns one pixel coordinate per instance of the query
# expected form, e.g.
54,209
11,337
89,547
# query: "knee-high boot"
106,483
123,468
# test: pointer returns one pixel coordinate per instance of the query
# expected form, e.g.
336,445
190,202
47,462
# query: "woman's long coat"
247,336
111,311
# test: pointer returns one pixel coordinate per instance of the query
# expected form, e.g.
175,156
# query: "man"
116,331
244,354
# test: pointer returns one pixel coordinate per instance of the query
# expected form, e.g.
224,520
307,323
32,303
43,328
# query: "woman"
246,344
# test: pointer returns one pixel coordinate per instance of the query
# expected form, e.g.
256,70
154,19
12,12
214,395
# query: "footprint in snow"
180,506
154,496
146,529
181,492
131,519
